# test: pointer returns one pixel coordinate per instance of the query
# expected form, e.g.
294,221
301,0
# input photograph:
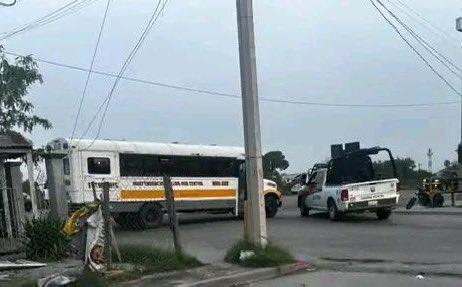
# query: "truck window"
99,165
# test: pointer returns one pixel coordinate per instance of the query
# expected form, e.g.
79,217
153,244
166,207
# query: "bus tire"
271,205
122,220
150,216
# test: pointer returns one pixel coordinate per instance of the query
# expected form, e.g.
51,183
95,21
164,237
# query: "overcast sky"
331,51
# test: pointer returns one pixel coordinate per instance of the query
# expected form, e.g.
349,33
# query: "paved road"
341,279
410,239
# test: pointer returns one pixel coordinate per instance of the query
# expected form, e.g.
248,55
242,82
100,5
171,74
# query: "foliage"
45,240
15,81
408,175
271,255
274,162
155,259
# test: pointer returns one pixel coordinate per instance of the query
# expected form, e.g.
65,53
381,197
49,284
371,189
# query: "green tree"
273,163
408,175
16,78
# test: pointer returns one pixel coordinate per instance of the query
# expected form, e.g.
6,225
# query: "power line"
154,17
451,87
235,96
82,98
425,20
445,61
8,4
68,9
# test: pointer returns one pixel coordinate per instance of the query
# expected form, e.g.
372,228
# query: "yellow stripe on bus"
159,194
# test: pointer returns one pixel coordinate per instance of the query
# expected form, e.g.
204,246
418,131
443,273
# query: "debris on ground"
246,254
55,280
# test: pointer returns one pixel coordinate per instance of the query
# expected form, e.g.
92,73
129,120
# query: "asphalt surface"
342,279
408,239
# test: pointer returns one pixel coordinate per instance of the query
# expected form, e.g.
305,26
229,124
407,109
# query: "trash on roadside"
246,254
55,280
420,277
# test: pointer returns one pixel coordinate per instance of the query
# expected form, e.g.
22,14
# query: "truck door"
315,189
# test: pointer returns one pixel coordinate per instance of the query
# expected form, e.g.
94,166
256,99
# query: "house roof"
14,140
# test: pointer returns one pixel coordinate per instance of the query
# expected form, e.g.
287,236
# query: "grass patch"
155,259
271,255
45,240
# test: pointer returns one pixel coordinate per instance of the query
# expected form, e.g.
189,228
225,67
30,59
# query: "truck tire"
150,216
271,206
334,214
304,210
383,214
438,200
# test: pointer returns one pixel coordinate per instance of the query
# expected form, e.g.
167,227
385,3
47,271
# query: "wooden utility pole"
255,216
107,226
172,216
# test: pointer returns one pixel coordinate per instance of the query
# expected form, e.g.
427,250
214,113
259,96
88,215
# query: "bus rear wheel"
150,216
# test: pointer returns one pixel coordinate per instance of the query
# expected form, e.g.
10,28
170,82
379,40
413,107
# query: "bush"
269,256
155,259
45,240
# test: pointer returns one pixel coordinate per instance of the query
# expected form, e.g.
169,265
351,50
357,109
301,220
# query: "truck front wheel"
304,210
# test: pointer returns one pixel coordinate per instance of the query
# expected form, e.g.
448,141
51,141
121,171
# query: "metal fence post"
172,216
107,226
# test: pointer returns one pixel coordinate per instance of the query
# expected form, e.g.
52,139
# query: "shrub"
155,259
45,240
269,256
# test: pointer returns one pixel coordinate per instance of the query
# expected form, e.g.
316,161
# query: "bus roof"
63,145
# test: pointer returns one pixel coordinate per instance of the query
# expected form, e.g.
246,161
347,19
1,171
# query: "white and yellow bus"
205,178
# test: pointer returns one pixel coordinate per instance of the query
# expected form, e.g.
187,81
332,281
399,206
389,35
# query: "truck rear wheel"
383,214
334,214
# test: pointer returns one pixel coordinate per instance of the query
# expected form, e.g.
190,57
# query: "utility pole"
255,217
430,160
459,148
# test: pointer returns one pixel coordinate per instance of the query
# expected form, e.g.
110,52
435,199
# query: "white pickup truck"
350,184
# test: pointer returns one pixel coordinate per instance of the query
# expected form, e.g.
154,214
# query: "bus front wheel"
271,205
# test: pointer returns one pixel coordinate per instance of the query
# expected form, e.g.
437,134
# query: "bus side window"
99,165
66,166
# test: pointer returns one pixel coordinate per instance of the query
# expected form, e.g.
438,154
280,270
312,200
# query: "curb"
426,212
407,269
251,275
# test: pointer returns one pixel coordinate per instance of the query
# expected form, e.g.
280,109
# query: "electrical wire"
428,22
450,86
234,96
68,9
445,61
82,98
154,17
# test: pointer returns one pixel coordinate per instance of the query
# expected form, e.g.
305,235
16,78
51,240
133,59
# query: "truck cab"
349,183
